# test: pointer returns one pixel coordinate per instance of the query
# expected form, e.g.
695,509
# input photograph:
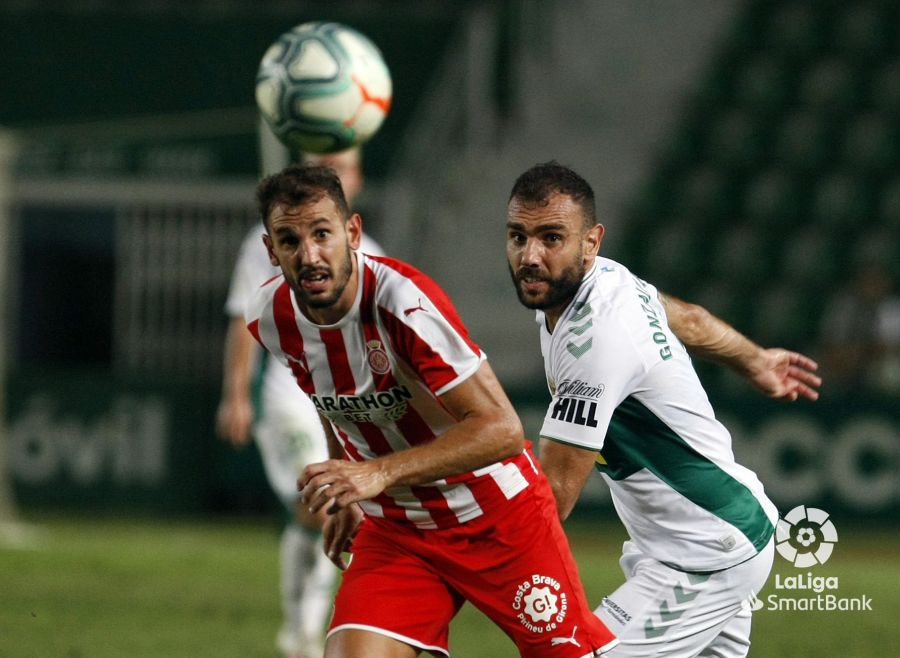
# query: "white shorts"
660,611
289,436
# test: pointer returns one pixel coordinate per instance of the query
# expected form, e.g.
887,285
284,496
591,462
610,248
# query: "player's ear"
354,230
267,240
592,239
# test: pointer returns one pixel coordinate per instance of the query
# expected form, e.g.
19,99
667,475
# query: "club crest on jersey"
377,357
541,604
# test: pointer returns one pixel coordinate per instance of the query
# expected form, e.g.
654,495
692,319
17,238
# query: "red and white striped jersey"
376,376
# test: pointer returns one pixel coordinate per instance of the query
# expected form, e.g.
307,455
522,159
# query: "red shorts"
513,563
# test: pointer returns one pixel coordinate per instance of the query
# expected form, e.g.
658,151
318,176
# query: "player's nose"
531,252
309,253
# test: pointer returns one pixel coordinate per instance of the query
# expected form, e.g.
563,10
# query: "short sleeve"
592,374
425,329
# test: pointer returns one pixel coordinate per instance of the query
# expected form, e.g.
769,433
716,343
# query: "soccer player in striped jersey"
627,401
287,431
430,475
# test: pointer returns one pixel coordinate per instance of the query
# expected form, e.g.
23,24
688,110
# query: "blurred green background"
744,153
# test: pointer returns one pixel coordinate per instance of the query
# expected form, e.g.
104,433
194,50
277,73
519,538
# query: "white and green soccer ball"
323,87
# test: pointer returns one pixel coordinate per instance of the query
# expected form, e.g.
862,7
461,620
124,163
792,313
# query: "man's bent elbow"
510,436
689,322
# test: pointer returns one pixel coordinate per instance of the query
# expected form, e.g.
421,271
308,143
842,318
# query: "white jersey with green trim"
623,385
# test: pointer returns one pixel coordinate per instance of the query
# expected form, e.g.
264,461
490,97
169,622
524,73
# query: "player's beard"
560,290
340,284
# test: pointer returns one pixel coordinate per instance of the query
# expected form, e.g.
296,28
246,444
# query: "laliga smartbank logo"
806,538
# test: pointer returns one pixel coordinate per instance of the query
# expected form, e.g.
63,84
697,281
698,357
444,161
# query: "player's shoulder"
368,245
614,285
608,304
603,289
254,231
397,278
263,297
390,265
612,275
253,237
631,317
402,289
253,257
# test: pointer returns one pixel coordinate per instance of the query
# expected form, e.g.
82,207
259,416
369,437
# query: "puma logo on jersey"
565,640
409,311
300,363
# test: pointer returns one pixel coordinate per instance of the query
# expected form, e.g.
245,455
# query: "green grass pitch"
107,588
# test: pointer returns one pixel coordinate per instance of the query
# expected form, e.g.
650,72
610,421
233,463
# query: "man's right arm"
779,373
234,416
567,468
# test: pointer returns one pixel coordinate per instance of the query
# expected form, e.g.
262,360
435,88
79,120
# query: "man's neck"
552,315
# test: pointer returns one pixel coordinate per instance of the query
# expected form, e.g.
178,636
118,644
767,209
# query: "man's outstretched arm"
779,373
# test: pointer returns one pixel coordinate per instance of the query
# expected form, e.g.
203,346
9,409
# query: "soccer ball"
323,87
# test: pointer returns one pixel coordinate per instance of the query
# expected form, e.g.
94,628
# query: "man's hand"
337,483
338,533
234,418
785,375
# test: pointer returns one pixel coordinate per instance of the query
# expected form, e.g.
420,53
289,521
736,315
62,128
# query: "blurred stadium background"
745,154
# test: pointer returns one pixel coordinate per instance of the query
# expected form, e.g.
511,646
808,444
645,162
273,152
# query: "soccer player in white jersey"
429,466
287,431
626,401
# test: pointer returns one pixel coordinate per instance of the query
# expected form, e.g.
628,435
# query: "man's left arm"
777,372
487,430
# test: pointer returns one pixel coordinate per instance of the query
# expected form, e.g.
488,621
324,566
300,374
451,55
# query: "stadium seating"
783,173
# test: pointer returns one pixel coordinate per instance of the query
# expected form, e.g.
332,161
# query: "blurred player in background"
287,431
428,460
626,400
860,332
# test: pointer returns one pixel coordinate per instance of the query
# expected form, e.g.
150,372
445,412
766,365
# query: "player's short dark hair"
543,180
298,184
